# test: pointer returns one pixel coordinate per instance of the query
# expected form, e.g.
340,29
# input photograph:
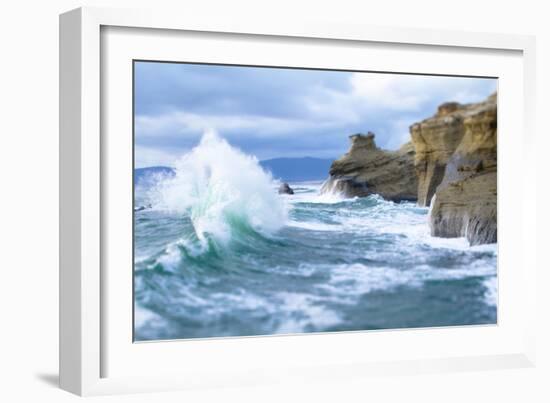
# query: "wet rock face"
456,160
366,169
466,209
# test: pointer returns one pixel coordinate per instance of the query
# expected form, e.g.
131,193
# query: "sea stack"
456,164
285,189
366,169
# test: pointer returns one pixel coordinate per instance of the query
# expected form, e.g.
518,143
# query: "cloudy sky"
272,112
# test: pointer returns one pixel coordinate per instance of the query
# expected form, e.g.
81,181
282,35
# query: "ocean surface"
218,252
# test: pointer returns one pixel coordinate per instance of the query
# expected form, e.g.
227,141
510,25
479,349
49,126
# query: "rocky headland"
366,169
450,164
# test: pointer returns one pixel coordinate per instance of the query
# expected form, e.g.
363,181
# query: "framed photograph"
254,202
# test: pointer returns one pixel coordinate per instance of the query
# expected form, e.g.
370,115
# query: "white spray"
218,186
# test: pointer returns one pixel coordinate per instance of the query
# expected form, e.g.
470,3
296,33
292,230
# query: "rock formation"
456,164
285,189
141,208
435,140
367,169
451,163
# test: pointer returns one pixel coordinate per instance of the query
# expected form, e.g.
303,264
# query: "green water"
332,265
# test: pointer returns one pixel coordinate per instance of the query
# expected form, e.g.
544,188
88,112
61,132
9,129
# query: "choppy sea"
218,252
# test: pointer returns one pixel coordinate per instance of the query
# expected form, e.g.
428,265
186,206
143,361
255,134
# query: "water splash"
222,190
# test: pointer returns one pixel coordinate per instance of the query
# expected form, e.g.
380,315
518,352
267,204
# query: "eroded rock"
366,169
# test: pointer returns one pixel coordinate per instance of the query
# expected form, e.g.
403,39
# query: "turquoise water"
331,264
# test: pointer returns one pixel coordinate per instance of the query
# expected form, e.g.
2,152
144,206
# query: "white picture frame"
97,357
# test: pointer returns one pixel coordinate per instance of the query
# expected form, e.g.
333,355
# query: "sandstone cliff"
435,140
367,169
456,160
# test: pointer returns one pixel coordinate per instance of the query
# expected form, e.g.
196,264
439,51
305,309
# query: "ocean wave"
220,189
349,282
191,256
315,198
209,264
373,214
491,293
144,316
310,193
301,312
313,225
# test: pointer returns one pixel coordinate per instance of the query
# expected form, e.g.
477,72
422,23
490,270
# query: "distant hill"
285,169
144,174
298,169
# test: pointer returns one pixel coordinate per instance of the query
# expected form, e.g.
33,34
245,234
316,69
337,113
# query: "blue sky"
271,112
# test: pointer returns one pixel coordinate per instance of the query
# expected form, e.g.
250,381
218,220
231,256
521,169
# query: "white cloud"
402,92
173,124
384,103
399,131
397,92
375,96
371,93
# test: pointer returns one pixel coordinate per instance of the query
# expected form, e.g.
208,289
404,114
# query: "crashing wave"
222,190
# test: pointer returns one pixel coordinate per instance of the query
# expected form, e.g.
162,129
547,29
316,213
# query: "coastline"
450,160
359,250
